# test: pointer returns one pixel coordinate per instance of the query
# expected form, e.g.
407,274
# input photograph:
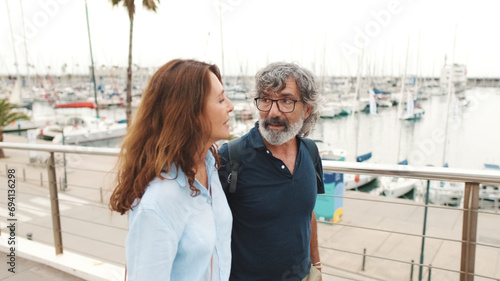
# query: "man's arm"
315,260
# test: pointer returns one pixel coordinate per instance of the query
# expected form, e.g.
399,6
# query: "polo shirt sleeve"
151,247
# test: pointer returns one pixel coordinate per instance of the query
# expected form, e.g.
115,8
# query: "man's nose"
274,111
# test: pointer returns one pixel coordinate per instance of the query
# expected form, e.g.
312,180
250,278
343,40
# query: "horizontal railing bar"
62,148
403,203
93,239
81,186
92,222
408,171
88,204
399,233
37,225
87,170
416,235
405,262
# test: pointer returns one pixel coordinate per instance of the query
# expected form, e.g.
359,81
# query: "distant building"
459,77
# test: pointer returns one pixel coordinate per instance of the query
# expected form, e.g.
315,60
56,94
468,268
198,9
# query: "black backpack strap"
313,150
233,148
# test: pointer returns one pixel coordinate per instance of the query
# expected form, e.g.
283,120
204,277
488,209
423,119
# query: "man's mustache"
276,121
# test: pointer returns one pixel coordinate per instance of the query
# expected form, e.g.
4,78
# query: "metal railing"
472,180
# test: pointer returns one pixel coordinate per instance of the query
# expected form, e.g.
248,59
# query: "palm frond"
150,4
8,116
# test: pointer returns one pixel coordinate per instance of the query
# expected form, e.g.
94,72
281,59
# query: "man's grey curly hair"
273,78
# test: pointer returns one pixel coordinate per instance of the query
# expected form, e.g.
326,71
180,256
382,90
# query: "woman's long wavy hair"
169,129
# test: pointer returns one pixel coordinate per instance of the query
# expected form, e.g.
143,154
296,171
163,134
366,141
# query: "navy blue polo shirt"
272,212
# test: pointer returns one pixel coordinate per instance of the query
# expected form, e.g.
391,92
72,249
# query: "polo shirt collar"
254,137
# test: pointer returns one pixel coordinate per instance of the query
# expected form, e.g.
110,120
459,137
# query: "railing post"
54,204
420,270
469,231
430,270
364,259
411,270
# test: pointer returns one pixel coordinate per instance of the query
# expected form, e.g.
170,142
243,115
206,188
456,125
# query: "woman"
179,219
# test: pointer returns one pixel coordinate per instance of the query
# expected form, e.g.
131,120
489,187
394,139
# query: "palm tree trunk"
128,110
2,155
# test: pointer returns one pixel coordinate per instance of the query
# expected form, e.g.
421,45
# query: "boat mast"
417,75
13,44
398,114
221,40
356,101
28,79
92,62
450,82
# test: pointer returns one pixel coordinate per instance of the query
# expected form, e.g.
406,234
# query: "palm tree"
7,116
130,5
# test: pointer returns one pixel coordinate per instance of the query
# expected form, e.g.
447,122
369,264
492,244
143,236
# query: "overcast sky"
325,36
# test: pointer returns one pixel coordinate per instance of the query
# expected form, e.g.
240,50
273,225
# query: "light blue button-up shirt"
173,236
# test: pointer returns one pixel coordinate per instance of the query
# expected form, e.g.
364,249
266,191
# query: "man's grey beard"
276,137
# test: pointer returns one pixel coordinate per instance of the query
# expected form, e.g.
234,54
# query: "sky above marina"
326,36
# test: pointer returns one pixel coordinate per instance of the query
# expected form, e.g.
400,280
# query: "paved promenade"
93,238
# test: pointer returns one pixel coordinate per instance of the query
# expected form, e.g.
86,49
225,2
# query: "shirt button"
222,269
209,201
282,166
267,151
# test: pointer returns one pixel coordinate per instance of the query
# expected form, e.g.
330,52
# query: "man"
274,226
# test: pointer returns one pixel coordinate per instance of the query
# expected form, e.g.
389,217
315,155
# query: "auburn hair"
169,129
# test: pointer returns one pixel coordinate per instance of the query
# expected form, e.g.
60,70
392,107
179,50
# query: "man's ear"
308,111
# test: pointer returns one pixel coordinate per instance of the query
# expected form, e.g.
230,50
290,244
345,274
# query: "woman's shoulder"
167,189
167,186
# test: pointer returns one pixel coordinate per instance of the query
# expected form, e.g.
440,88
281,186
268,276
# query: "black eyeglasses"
284,105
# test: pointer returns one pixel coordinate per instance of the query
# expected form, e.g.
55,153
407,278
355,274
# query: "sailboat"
398,186
412,113
352,181
15,99
449,193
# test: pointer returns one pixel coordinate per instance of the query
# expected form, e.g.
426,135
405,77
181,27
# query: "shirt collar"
254,137
179,175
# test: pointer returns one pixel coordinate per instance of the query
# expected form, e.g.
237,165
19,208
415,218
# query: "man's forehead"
289,90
